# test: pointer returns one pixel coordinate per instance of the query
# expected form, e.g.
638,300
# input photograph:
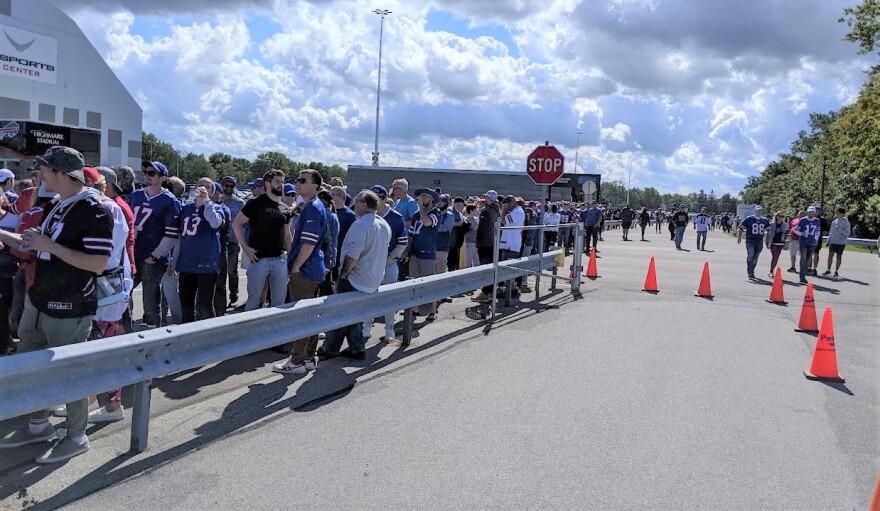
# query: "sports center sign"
28,55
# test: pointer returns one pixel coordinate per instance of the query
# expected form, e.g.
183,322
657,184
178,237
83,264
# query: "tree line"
190,166
843,144
615,192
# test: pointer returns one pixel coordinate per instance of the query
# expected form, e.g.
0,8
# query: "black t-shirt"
61,290
680,218
267,220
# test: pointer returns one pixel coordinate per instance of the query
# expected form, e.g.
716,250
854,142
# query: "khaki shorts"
794,247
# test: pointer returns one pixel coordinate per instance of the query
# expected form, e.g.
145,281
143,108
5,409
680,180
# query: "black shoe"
323,355
803,281
792,270
354,355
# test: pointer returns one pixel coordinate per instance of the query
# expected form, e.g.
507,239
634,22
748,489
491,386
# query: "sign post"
545,166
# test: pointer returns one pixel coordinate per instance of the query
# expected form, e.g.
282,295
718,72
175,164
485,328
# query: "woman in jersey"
777,239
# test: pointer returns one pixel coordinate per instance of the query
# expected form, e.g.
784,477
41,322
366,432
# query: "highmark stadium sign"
28,55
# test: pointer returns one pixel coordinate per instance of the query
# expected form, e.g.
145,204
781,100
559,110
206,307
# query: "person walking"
626,219
644,219
838,234
701,225
755,226
794,240
591,218
679,221
777,239
809,231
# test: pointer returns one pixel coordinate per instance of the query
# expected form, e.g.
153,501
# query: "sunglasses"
302,180
151,173
228,186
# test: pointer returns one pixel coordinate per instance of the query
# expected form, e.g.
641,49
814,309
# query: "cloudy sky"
685,94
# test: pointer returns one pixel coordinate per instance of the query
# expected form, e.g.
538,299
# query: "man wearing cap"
423,242
489,216
220,303
701,224
7,182
809,230
396,248
591,218
257,186
156,217
72,245
233,249
755,227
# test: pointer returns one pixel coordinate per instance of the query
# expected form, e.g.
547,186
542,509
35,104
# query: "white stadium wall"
56,88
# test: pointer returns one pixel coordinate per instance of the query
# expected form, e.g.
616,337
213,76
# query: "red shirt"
129,219
30,219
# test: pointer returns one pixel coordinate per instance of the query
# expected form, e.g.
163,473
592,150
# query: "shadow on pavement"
176,387
329,383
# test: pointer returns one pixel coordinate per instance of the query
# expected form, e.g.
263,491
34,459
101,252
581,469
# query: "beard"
278,192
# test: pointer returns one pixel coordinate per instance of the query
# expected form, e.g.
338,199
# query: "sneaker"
431,317
23,436
803,281
311,364
770,275
324,355
751,276
289,367
102,415
792,270
835,274
63,450
826,272
482,298
61,410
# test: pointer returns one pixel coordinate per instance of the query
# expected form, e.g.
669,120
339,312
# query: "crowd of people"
79,240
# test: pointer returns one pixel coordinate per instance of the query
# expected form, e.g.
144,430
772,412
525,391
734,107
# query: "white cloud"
685,94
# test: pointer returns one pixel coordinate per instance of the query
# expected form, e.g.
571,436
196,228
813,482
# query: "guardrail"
41,379
861,242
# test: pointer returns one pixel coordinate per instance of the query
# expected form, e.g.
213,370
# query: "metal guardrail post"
495,244
140,417
577,258
407,326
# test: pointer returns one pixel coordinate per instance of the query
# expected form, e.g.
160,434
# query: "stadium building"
56,89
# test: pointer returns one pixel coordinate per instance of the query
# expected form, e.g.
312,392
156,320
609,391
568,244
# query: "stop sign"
545,165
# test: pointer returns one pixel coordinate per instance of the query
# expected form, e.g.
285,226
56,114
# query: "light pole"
629,180
577,148
382,13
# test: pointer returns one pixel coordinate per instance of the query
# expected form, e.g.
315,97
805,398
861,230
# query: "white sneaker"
102,415
289,367
312,364
63,449
61,410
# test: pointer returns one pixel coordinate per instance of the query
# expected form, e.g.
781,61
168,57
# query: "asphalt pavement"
618,399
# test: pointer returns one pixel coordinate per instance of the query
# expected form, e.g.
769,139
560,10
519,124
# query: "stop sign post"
545,165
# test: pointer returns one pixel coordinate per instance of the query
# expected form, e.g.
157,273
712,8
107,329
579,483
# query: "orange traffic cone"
808,321
776,295
875,498
705,290
592,272
651,279
824,366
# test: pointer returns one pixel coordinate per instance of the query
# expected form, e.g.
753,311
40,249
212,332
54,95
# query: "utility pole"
577,149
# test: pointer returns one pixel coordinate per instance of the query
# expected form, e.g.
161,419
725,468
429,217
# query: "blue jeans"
150,276
753,250
232,251
701,235
679,236
355,332
268,269
806,253
171,300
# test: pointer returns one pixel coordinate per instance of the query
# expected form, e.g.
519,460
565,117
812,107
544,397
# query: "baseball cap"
811,208
124,178
444,197
91,174
508,199
434,196
159,167
110,177
6,174
379,190
256,182
491,195
228,180
759,208
66,160
289,189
